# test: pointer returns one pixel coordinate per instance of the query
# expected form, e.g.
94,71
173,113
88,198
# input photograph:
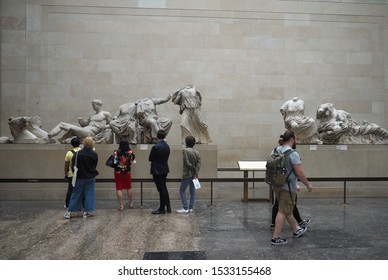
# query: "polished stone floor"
227,230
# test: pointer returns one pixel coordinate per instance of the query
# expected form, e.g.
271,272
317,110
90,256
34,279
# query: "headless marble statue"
190,102
294,119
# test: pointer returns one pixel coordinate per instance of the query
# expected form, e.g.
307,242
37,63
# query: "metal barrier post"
345,192
211,193
141,194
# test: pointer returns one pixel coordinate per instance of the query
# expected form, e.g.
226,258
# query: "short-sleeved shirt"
124,162
68,157
293,159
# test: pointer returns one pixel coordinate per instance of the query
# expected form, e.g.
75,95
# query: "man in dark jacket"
158,157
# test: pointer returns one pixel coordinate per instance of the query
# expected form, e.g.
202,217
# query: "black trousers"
164,198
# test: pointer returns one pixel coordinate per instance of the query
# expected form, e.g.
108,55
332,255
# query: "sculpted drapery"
304,127
192,124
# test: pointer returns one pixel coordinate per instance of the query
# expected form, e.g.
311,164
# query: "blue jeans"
82,187
70,191
182,192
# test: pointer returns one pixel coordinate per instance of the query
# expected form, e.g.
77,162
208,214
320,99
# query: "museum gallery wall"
244,59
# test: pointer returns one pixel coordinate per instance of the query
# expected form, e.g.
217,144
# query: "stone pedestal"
30,161
345,161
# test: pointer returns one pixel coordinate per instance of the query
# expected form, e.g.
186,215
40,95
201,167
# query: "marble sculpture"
139,122
190,102
27,130
149,120
338,127
304,127
92,126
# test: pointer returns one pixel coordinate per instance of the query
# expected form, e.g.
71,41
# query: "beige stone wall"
1,18
30,161
245,57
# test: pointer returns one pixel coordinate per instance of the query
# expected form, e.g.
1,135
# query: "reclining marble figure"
26,130
91,126
338,127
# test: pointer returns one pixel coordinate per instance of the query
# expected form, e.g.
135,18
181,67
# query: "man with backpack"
284,184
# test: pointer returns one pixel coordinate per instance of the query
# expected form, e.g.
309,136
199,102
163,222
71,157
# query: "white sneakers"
68,215
86,215
184,211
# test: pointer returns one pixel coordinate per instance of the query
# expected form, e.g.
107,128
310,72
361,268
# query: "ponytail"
288,134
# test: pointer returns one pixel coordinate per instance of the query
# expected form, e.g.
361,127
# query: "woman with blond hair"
86,162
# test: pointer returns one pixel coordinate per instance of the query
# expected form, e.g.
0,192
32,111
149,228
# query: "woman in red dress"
124,157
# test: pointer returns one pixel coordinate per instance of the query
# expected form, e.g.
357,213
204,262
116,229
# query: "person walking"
86,161
295,212
158,157
122,173
75,143
191,166
286,195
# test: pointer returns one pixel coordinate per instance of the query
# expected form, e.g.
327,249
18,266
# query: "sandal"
130,206
121,208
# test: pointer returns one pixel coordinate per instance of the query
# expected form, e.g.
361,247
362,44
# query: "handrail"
205,180
230,180
313,179
134,180
228,169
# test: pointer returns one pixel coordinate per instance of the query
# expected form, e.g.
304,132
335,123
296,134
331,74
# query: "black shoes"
159,211
162,211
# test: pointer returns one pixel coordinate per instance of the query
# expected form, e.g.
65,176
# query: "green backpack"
275,174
